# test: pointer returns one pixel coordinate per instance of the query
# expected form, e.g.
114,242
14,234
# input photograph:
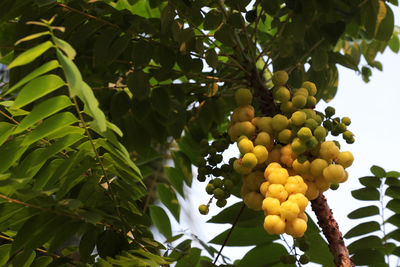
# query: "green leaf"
4,254
319,250
371,241
30,55
225,35
392,174
394,219
367,193
183,164
385,26
51,65
344,60
370,181
245,236
378,171
110,243
393,192
212,58
176,178
161,220
212,19
362,229
319,59
394,205
191,259
49,126
72,74
42,261
92,106
31,37
168,198
265,255
13,149
6,130
248,218
65,47
394,43
42,111
24,258
364,212
369,257
87,244
37,88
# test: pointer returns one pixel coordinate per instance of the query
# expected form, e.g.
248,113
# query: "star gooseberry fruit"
243,97
280,78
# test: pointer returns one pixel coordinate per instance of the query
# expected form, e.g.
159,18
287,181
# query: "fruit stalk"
330,228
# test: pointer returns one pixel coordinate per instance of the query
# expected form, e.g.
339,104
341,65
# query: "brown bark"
330,228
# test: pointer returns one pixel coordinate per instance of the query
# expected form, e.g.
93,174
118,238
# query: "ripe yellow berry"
301,168
298,118
269,169
334,173
234,131
285,136
287,108
282,94
279,122
328,150
310,86
275,154
264,188
300,200
249,160
303,216
274,225
244,190
280,78
264,124
289,210
254,180
345,159
301,91
312,190
271,206
253,200
278,176
299,101
246,128
243,97
243,113
263,138
322,184
304,134
277,191
287,155
317,166
295,184
296,227
245,146
261,153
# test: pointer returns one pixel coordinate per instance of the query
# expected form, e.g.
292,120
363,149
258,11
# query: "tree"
100,95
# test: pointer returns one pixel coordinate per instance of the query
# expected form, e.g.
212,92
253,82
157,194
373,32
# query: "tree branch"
330,228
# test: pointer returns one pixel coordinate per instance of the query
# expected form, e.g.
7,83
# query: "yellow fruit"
322,184
298,146
254,121
253,200
269,169
243,113
239,168
243,97
288,107
301,168
311,101
345,159
263,138
289,210
275,154
296,227
254,180
279,122
277,191
264,188
301,91
310,86
285,136
271,206
287,155
299,101
278,176
246,128
334,173
280,78
304,134
282,94
245,146
261,153
249,160
312,190
244,190
300,200
317,166
274,225
298,118
328,150
303,216
264,124
295,184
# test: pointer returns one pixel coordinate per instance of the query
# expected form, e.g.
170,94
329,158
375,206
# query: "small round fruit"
239,168
261,153
282,94
263,138
274,155
218,193
334,186
280,78
271,206
203,209
345,159
287,107
253,200
299,101
317,166
346,121
270,168
312,143
298,118
301,167
221,203
246,128
210,189
328,150
254,180
304,134
296,228
320,133
264,124
310,86
264,188
274,225
245,146
300,200
217,183
243,97
311,123
298,146
277,191
244,113
295,184
249,160
285,136
304,259
279,122
278,176
334,173
311,101
347,135
289,210
312,191
329,111
301,91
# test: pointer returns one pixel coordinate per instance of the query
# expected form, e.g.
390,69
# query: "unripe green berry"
282,94
203,209
320,133
329,112
311,123
201,177
228,184
217,183
304,134
301,159
341,127
327,125
312,142
334,186
285,136
210,189
218,193
217,172
226,168
221,203
304,259
346,121
280,78
311,101
299,101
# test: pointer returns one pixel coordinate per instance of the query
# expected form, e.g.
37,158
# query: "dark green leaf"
42,261
24,258
72,74
319,250
190,259
319,60
264,255
212,58
183,164
87,244
371,181
42,3
271,6
6,129
225,35
245,236
344,60
393,192
248,218
138,84
176,178
378,171
394,43
118,47
362,229
161,220
369,257
110,243
364,212
166,57
367,193
393,174
4,254
394,205
30,55
168,198
371,241
212,20
394,219
142,53
384,29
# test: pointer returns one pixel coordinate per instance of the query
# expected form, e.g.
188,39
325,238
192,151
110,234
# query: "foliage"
101,94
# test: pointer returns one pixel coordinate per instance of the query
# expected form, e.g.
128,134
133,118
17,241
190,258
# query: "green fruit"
228,184
203,209
221,203
285,136
282,94
304,134
217,183
334,186
288,107
279,122
318,118
298,118
299,101
310,86
280,78
311,101
264,124
328,125
304,259
350,141
298,146
341,127
210,189
243,97
329,111
320,133
346,121
311,123
301,91
218,193
201,177
312,142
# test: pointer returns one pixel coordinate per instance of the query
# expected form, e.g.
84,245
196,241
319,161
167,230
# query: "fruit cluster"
285,160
